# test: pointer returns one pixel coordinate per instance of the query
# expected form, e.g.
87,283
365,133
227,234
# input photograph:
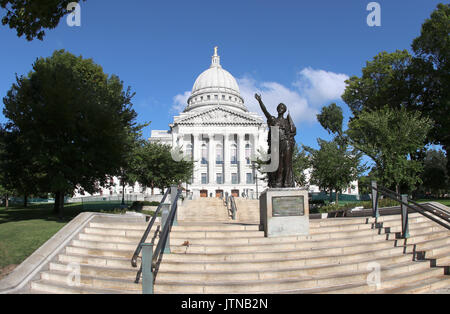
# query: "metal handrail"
147,231
166,230
405,203
233,207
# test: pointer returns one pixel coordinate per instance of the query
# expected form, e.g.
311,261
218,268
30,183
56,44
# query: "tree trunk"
56,206
25,201
7,201
397,188
337,197
59,203
123,194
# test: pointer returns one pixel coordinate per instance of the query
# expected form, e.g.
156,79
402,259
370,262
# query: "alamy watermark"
374,277
73,279
374,18
74,18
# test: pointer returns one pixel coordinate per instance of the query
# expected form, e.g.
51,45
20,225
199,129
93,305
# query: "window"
219,154
234,178
249,178
216,97
189,152
204,154
248,152
219,178
234,154
204,178
209,97
223,97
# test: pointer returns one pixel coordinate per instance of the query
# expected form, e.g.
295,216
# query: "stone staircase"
212,254
248,210
204,209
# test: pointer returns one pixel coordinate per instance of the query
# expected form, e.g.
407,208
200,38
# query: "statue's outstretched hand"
258,97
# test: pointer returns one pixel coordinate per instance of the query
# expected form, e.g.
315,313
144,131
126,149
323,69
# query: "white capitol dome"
215,86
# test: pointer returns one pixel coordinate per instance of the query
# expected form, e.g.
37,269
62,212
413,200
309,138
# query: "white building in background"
217,131
220,134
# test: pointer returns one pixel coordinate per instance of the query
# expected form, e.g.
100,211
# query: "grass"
24,230
445,202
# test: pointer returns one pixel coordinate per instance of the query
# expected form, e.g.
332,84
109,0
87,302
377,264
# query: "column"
211,159
226,159
196,151
241,158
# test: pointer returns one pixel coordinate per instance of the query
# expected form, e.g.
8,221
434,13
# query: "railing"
429,211
231,206
150,258
145,235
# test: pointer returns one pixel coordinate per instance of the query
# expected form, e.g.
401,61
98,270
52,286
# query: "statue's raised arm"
263,107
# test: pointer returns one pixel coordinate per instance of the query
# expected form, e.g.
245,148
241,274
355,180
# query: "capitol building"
221,136
218,132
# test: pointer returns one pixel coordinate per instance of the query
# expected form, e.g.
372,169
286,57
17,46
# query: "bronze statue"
284,176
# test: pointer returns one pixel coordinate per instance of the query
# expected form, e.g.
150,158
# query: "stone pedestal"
284,212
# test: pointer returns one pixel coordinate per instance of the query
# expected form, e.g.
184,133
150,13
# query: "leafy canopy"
30,18
69,124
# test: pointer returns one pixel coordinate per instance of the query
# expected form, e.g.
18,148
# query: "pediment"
218,116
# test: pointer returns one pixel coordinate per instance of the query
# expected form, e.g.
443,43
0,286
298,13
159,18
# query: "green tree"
334,167
386,80
157,168
389,137
431,68
73,122
19,171
30,18
300,163
435,176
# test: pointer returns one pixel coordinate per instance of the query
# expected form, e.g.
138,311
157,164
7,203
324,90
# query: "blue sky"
297,52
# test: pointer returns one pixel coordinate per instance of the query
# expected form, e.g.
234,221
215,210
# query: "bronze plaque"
285,206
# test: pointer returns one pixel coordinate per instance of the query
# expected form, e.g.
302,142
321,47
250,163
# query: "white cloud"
273,94
180,102
308,94
320,86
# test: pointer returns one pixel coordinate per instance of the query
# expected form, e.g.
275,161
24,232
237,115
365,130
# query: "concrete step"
277,274
272,255
280,246
101,245
88,270
92,281
99,252
209,227
112,262
423,286
427,245
117,232
122,226
114,239
278,285
178,263
46,287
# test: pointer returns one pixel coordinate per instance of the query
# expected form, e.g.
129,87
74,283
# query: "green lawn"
24,230
445,202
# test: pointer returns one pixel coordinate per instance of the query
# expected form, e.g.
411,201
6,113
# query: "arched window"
233,154
219,154
204,154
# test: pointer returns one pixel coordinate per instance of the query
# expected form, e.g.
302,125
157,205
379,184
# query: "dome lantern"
215,87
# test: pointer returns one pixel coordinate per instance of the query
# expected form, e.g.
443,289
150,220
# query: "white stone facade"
218,132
